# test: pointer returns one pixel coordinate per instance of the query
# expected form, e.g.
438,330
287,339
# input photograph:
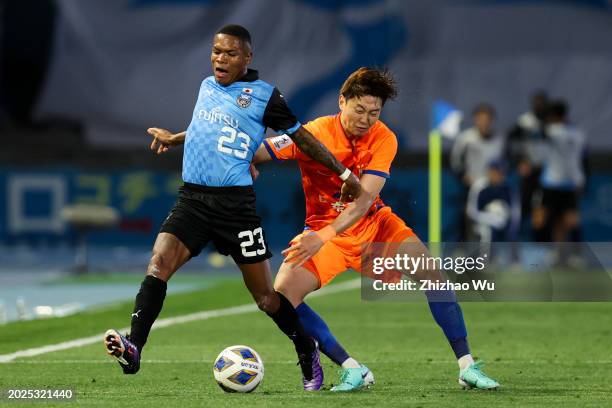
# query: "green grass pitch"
543,354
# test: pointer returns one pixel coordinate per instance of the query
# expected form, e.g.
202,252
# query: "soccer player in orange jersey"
335,231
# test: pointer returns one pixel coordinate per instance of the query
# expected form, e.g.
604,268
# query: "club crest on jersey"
244,100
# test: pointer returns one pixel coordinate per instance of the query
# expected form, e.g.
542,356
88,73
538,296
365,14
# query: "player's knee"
266,302
291,296
279,287
158,267
295,298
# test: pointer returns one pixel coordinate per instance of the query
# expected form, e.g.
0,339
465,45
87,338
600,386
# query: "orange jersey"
372,153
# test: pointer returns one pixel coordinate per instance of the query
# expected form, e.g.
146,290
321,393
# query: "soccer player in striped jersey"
335,231
217,202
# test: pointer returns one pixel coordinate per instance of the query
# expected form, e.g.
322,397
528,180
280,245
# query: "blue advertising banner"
30,214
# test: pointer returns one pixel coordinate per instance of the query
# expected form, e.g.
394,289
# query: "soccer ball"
238,369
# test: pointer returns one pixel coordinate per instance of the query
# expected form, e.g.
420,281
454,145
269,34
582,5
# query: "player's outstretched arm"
309,145
308,245
163,139
261,155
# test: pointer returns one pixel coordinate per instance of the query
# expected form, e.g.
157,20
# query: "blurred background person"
493,206
473,150
527,150
557,218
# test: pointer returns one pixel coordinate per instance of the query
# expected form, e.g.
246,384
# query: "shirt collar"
250,76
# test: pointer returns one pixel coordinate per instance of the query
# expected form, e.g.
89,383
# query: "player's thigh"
329,262
395,237
413,247
332,259
236,229
392,237
295,283
391,228
169,254
188,221
257,277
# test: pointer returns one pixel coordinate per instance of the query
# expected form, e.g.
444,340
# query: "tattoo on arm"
310,146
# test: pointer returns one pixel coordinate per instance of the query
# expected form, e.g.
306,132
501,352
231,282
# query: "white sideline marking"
170,321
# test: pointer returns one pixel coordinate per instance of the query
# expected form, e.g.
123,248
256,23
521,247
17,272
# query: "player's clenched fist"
351,189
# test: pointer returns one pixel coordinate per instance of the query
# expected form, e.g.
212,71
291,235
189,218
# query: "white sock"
350,363
465,361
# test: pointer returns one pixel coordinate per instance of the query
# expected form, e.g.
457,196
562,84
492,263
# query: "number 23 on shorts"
248,241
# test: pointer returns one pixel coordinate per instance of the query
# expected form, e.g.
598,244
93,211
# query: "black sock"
147,306
286,318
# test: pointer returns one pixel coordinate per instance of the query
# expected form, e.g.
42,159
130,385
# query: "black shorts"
224,215
557,202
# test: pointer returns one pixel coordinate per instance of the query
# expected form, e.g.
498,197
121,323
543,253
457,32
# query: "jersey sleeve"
382,157
281,148
278,116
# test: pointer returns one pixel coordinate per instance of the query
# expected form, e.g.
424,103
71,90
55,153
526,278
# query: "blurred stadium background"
80,81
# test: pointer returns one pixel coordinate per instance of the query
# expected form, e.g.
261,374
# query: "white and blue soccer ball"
238,369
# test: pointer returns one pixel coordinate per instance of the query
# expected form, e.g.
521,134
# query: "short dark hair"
485,108
558,108
238,31
539,94
370,81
